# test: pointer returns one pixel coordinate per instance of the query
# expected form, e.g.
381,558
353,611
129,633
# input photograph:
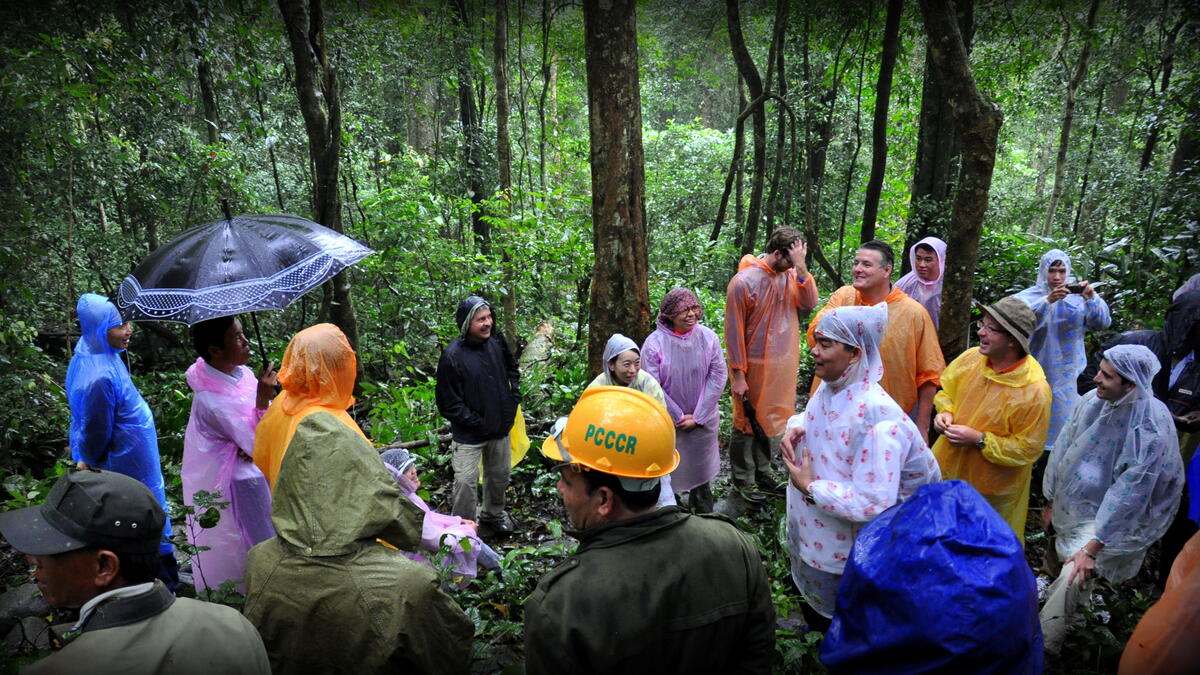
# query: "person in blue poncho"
111,425
1065,309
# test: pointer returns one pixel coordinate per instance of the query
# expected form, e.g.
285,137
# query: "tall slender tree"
749,73
320,104
883,95
620,295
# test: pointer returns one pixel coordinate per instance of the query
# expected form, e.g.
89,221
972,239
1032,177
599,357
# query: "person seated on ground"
649,590
325,593
1164,642
993,412
112,428
938,584
228,403
1112,484
623,368
924,282
1177,384
437,529
852,454
93,545
686,358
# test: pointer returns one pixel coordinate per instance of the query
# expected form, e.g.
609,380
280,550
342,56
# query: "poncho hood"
749,260
1049,258
939,249
319,368
616,344
1027,372
333,494
96,316
860,327
466,312
1137,364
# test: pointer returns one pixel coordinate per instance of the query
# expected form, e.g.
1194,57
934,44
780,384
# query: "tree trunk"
853,163
316,88
935,171
208,98
883,94
978,123
739,143
1064,138
1168,64
504,161
472,131
620,298
749,73
775,72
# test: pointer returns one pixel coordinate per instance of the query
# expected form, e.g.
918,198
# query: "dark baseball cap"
86,508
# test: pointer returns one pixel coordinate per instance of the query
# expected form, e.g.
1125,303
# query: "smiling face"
118,336
1056,275
870,274
234,350
480,328
684,321
994,341
625,366
832,358
1110,386
927,265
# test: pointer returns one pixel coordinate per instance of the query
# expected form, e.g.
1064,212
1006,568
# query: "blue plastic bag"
936,584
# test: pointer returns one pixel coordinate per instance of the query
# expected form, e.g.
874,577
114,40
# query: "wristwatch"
982,440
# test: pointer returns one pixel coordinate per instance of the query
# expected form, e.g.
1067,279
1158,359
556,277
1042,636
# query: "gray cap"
88,508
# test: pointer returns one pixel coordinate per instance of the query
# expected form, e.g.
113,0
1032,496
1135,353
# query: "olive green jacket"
324,594
664,592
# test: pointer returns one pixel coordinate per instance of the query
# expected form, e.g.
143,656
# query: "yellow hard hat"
619,431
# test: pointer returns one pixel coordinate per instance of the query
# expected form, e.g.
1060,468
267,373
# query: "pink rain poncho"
691,370
217,449
1057,342
436,526
928,293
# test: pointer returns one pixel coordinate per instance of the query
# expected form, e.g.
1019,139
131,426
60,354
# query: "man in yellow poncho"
993,412
324,593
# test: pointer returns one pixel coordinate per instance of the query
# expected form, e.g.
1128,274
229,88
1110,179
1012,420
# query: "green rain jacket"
664,592
324,594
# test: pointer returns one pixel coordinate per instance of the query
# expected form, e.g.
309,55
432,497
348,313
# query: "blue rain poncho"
1057,342
937,584
111,425
1115,473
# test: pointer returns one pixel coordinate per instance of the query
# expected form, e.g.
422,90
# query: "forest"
572,169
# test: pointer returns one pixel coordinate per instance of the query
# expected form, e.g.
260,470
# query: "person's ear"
604,504
108,568
856,356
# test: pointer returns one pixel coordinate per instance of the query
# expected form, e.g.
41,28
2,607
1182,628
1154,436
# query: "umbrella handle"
258,336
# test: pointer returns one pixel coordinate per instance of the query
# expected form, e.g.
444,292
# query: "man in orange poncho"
912,357
994,411
762,337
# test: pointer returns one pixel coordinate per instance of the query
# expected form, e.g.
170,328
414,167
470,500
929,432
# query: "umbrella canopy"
239,264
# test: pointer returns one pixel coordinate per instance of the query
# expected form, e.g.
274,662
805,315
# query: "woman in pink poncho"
228,403
686,359
438,526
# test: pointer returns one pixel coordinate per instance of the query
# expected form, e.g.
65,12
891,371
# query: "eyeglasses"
988,329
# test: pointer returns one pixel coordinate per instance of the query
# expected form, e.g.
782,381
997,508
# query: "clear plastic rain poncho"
1115,473
928,293
643,382
867,455
1013,409
1057,342
691,370
437,528
317,375
111,426
216,458
762,339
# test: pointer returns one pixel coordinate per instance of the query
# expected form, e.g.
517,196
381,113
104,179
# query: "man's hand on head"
797,253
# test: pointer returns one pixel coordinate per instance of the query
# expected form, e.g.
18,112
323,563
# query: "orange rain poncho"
1165,639
1013,409
762,338
911,353
317,375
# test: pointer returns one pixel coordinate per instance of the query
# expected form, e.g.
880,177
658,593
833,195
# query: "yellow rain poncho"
1013,409
317,375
